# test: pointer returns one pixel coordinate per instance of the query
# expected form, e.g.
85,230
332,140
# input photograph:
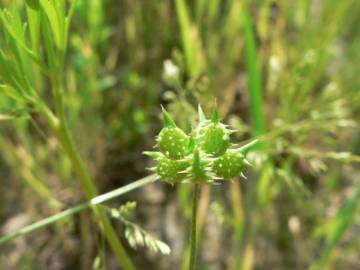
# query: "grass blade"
254,77
190,40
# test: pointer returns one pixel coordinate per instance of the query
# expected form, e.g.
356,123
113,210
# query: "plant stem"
193,235
77,208
90,192
65,138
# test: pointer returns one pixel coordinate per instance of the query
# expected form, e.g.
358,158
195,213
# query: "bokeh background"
285,72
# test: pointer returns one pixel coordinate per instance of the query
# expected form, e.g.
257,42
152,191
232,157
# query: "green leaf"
33,15
52,59
56,23
10,74
254,75
11,93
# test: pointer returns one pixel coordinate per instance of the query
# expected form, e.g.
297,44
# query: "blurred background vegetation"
286,72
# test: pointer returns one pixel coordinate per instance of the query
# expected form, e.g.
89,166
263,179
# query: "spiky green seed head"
173,142
214,139
229,164
201,168
170,170
213,136
202,157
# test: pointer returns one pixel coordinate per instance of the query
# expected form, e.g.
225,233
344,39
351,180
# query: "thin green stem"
77,208
90,192
248,231
64,135
193,235
42,223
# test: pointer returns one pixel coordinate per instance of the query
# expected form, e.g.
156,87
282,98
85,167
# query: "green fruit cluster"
203,156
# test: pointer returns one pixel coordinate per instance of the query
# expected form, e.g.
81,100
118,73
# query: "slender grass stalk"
65,138
90,191
193,235
78,208
199,11
203,206
42,223
244,260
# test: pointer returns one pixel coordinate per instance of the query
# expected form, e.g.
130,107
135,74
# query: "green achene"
202,156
